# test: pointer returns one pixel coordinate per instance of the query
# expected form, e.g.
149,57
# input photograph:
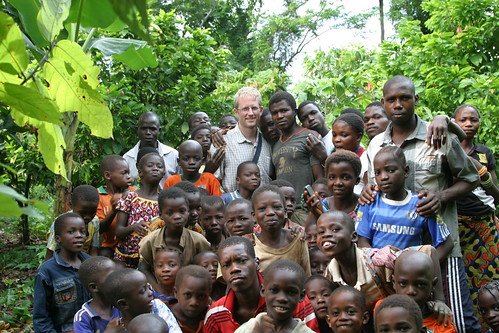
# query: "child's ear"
237,180
175,292
302,295
92,286
57,239
357,180
365,318
107,175
416,98
406,171
122,304
355,237
434,281
257,262
262,291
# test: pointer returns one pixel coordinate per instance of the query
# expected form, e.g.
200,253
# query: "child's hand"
140,228
313,203
442,311
367,194
216,159
266,325
114,326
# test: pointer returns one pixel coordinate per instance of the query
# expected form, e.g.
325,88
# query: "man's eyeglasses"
248,109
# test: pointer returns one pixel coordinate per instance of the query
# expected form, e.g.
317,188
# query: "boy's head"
414,276
128,290
248,176
335,233
190,157
70,232
238,216
93,272
311,235
318,289
311,116
289,192
347,131
192,290
202,134
84,201
268,127
391,171
198,118
488,304
173,207
347,311
238,263
193,196
399,99
283,288
227,121
147,322
320,186
468,118
375,119
398,313
282,106
318,261
148,129
342,169
167,262
268,208
115,171
212,215
209,261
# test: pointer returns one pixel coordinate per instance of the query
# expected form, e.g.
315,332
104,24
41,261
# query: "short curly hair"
346,156
404,302
283,96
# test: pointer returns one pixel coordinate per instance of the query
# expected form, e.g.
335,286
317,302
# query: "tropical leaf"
137,58
94,13
134,14
51,17
109,46
28,11
29,102
13,56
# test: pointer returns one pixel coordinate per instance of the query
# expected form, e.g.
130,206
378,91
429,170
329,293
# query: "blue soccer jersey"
389,222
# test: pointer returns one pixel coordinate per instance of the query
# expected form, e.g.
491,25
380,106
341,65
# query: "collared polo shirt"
238,150
169,155
87,320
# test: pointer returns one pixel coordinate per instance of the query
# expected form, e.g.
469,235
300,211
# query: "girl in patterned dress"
137,209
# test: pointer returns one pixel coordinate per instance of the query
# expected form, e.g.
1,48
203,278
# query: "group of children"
187,258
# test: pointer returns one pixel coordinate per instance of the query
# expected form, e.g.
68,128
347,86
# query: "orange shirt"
430,323
103,208
207,181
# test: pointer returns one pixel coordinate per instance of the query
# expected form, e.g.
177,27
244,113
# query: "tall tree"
382,19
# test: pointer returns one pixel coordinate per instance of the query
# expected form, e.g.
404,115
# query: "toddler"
167,263
347,311
318,289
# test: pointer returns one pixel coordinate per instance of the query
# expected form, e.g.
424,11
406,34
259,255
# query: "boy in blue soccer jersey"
391,219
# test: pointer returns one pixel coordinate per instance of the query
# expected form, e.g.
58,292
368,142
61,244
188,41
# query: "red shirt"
219,318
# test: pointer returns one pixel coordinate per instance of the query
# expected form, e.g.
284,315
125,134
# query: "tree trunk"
382,20
63,185
24,218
